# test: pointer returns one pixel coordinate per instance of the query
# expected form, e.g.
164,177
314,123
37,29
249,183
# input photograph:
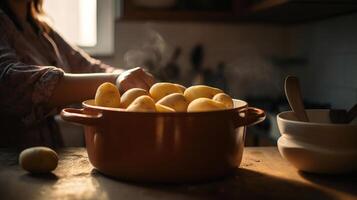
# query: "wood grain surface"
263,174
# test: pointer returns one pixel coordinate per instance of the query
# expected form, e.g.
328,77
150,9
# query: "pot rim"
240,105
242,115
283,118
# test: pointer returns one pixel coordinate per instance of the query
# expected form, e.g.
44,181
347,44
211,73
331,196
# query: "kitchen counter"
263,175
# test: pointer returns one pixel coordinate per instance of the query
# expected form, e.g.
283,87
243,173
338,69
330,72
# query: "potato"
107,95
205,104
129,96
224,98
175,101
162,108
199,91
182,88
38,159
142,104
160,90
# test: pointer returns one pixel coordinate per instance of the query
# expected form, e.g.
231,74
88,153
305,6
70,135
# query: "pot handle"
78,116
249,116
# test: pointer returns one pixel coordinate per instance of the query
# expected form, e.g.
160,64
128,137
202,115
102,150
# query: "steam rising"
247,76
253,76
152,54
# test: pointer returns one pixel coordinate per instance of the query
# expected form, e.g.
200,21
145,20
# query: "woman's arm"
74,88
82,85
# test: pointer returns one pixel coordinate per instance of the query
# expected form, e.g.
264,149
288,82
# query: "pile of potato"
164,97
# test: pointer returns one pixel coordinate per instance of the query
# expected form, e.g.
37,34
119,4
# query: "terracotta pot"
164,147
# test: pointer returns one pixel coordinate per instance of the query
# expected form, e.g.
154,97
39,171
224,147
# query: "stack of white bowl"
318,146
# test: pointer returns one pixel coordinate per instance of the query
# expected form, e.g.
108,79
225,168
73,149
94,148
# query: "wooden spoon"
293,94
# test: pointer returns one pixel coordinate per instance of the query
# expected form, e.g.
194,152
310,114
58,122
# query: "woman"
40,72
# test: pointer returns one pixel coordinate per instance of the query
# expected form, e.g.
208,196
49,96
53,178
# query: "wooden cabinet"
272,11
297,11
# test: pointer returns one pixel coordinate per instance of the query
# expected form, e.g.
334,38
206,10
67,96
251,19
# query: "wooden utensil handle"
294,96
78,116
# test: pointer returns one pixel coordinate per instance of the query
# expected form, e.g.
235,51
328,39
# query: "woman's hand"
134,78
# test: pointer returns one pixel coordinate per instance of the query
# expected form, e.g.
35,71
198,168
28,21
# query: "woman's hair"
35,15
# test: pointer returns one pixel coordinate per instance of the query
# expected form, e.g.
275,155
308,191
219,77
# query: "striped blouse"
31,64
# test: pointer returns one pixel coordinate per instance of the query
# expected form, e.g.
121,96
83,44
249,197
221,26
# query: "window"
86,23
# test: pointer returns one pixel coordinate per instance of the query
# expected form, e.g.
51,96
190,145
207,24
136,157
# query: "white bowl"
318,146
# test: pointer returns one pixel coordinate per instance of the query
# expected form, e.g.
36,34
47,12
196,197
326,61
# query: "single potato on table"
199,91
129,96
224,98
38,160
142,104
107,95
205,104
175,101
160,90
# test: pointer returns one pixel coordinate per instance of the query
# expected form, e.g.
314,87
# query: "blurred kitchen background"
245,47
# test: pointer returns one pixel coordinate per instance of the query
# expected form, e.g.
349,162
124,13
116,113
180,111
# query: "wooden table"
263,175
